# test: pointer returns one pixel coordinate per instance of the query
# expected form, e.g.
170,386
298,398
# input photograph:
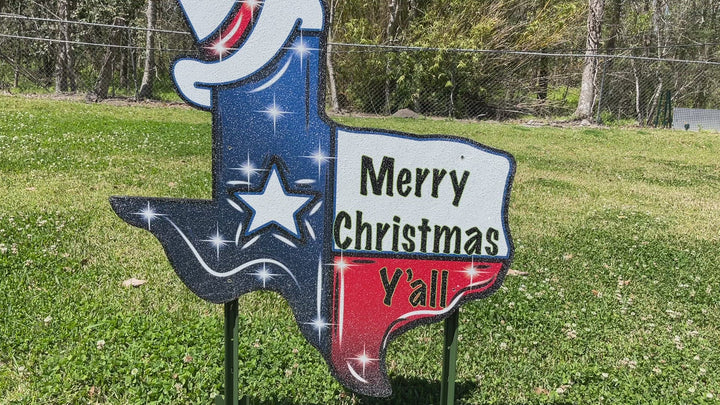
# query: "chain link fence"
30,60
379,80
502,85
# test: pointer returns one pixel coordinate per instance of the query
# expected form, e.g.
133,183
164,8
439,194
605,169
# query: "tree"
100,91
334,103
64,62
146,87
587,88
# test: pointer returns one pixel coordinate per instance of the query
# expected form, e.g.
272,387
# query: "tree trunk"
388,92
543,80
393,20
18,56
124,72
391,33
334,104
653,105
615,19
587,89
146,87
100,91
638,112
64,77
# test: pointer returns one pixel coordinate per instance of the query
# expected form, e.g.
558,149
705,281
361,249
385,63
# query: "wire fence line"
564,52
95,44
372,48
382,79
400,48
87,23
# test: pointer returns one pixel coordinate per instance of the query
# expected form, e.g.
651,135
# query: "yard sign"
365,233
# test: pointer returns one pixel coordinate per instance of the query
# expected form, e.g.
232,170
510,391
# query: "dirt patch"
406,113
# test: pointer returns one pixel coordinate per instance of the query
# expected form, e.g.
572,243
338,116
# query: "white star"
363,359
301,49
220,48
471,271
342,264
149,214
217,241
274,112
320,158
274,205
249,170
319,325
264,275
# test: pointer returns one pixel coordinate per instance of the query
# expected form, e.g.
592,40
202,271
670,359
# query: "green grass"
619,231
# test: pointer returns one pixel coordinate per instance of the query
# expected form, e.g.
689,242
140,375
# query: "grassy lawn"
618,231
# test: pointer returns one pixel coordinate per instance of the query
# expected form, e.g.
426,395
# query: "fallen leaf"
568,256
93,391
541,391
512,272
188,358
133,282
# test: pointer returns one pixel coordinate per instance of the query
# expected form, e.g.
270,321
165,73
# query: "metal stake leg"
231,353
447,388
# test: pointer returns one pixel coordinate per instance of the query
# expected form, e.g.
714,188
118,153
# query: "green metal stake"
450,347
231,355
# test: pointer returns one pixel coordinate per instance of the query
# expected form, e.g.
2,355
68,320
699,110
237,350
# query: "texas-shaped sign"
365,233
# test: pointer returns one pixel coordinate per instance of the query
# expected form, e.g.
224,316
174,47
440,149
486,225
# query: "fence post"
133,63
18,58
602,91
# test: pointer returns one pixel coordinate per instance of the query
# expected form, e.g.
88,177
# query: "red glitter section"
236,29
414,289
